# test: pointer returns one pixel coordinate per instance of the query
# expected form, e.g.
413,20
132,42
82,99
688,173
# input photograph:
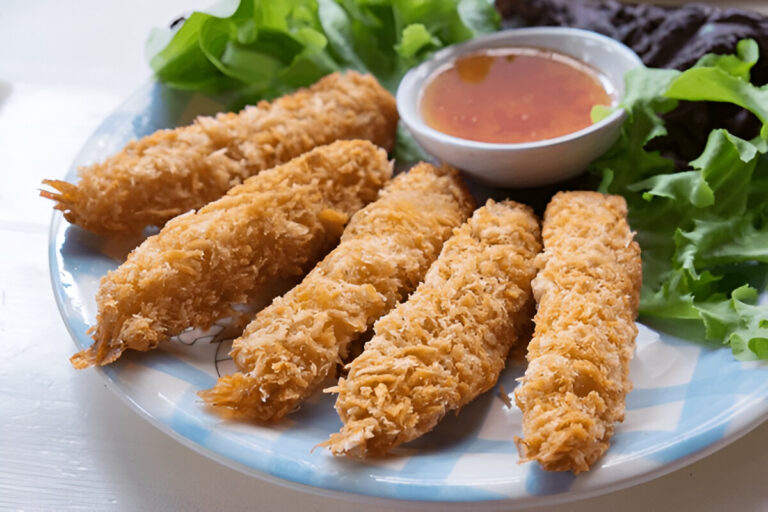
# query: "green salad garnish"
268,48
265,49
703,230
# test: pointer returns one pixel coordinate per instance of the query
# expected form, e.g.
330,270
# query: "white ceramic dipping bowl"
525,164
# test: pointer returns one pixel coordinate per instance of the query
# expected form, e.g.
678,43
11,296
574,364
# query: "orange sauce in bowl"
509,95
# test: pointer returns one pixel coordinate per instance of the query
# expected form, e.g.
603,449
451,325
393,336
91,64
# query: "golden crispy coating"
587,290
276,223
289,349
448,343
173,171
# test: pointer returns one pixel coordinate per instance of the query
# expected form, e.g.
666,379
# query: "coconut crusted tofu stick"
587,291
289,349
448,342
275,224
173,171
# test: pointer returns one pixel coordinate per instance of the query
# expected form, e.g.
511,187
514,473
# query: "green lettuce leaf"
703,231
725,78
265,48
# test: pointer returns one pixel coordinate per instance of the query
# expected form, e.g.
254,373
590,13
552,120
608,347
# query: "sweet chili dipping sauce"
508,95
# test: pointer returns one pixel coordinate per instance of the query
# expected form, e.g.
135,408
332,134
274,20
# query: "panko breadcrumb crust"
173,171
587,291
276,224
292,346
448,342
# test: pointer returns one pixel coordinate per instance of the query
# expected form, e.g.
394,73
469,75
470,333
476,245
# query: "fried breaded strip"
289,349
448,343
173,171
587,291
200,264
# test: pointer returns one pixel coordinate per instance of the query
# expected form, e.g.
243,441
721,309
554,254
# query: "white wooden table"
66,442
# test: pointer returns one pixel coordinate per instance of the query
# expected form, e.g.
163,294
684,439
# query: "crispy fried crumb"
276,224
587,290
292,346
447,344
173,171
504,396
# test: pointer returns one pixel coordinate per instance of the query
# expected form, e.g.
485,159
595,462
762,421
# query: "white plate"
689,399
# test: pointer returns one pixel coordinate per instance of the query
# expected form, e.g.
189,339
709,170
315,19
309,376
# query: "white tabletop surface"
66,442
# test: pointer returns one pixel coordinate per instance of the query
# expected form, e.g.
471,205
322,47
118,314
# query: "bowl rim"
445,55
